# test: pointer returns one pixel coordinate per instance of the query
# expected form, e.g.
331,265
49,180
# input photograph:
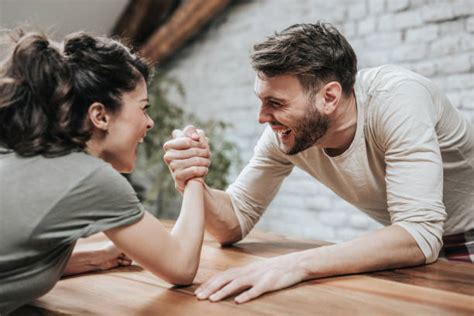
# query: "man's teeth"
141,140
285,132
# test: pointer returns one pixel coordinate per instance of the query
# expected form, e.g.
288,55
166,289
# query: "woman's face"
126,129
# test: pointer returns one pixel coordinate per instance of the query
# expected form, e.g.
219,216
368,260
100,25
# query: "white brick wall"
434,38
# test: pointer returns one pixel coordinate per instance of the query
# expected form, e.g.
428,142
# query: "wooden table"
442,288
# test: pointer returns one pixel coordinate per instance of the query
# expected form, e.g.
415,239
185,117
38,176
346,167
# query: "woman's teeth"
141,140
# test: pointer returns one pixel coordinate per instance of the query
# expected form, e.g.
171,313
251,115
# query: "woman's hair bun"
79,42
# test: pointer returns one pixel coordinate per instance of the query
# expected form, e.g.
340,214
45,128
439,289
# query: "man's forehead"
277,87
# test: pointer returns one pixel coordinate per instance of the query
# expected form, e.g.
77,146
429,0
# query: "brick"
349,29
408,19
357,11
425,33
336,218
366,26
376,6
454,64
438,12
425,68
382,40
409,52
374,57
456,81
451,44
463,7
470,24
360,220
451,27
386,22
445,46
467,100
318,202
397,5
466,42
417,3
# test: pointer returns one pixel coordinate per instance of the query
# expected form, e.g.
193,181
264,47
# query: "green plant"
161,197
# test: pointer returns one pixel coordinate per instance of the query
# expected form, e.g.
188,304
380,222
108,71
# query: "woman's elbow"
183,278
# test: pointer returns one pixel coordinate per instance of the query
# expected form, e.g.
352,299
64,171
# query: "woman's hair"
314,53
46,89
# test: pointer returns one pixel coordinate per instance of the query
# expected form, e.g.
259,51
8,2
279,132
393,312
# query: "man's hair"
315,53
46,90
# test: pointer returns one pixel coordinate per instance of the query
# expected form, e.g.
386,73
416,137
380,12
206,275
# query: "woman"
71,119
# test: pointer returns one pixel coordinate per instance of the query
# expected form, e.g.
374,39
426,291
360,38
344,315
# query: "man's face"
290,111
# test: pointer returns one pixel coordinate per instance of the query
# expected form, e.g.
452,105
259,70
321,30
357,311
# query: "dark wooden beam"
186,21
142,17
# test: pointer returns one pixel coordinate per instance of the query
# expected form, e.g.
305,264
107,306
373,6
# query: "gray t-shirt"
46,204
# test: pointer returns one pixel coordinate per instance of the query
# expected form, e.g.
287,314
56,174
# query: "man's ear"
98,116
331,93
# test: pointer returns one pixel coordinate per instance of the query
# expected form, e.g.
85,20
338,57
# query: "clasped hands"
188,156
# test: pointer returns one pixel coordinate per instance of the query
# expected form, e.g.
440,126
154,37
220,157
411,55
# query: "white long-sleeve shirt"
411,162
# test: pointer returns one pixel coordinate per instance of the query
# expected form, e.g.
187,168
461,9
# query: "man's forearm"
221,220
387,248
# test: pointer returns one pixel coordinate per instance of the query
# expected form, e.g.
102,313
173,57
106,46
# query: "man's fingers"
171,154
252,293
211,286
236,286
177,133
190,173
186,163
182,143
191,131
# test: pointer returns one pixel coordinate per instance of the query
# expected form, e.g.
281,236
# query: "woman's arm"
173,256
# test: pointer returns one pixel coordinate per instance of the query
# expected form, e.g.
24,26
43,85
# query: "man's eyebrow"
270,97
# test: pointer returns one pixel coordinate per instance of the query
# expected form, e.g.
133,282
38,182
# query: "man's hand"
187,155
87,259
252,280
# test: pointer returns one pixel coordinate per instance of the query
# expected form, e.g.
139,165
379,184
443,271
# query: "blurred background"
202,49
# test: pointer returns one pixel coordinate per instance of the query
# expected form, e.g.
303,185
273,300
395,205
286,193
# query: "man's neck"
342,127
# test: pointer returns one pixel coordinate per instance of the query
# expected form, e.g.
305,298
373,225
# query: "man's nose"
264,116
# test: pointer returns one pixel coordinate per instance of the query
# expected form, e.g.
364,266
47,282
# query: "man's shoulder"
386,78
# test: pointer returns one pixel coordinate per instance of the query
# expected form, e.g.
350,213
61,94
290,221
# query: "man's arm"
221,220
390,247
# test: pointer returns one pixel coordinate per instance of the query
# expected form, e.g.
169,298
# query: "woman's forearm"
189,228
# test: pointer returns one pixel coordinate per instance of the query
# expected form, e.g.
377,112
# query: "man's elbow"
229,240
231,236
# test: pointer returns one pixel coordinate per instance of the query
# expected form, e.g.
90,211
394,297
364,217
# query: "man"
384,139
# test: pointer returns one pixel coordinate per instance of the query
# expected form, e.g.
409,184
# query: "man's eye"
274,104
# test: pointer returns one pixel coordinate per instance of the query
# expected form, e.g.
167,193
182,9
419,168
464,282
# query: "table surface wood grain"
442,288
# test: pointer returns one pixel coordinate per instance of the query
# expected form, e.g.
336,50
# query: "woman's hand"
103,257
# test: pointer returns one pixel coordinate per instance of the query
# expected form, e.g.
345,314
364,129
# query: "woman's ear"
331,93
98,116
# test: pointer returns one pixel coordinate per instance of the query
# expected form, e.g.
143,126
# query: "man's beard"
312,127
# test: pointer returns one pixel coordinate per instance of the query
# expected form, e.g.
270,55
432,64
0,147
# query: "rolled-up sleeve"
259,181
414,167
